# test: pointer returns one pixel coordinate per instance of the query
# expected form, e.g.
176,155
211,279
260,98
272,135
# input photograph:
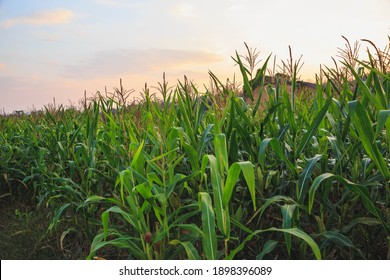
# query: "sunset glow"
58,49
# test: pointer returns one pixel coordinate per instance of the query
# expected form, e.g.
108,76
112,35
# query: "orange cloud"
117,62
2,66
40,18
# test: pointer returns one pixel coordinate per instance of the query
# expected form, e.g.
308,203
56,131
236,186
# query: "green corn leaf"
233,146
288,113
105,219
361,220
137,154
138,161
241,226
223,218
119,241
379,90
268,247
287,213
57,216
221,153
272,200
260,75
189,247
275,144
131,219
203,142
313,127
153,178
192,228
374,100
144,190
177,180
231,180
338,238
97,199
366,134
294,231
124,181
304,177
360,189
243,116
244,73
159,157
386,76
246,138
335,147
209,236
232,177
383,119
192,156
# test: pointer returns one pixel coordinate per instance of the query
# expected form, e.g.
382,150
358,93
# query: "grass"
207,175
24,236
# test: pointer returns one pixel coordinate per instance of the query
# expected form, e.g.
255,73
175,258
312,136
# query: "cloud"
184,10
118,62
117,3
46,37
40,18
108,2
2,66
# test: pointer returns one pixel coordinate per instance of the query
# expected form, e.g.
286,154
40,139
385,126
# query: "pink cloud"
118,62
40,18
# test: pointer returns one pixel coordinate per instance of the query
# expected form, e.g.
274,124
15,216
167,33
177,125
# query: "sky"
51,49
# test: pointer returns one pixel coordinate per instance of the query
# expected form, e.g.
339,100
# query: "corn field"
210,175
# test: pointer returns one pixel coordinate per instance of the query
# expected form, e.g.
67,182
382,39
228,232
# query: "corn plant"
185,174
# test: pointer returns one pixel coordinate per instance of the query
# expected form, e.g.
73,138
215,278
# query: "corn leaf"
189,247
209,236
294,231
275,144
313,128
268,247
366,134
232,177
304,177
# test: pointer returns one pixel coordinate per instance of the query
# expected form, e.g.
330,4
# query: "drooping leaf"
360,189
294,231
268,247
231,180
189,247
